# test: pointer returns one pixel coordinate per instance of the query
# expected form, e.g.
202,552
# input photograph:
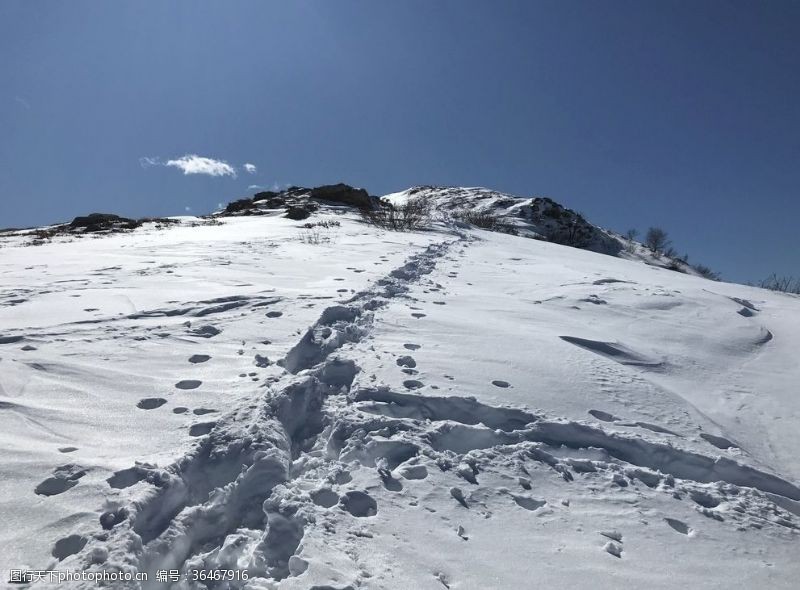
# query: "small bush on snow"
412,215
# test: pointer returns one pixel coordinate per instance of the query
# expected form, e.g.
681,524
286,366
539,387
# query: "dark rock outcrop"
343,193
240,205
264,196
300,202
95,222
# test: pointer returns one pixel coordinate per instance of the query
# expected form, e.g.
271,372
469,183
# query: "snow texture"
448,408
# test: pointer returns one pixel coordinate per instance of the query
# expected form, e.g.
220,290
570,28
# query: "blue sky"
683,114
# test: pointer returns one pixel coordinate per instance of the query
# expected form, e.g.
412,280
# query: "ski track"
233,502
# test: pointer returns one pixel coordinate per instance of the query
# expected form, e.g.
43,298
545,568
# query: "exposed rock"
343,193
272,203
297,212
240,205
103,221
264,196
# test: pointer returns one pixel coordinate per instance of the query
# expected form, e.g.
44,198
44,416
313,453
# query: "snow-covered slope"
346,407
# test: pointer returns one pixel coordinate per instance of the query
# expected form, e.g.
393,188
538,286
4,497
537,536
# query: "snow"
449,408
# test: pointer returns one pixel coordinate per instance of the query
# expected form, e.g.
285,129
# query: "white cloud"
250,168
194,164
147,162
187,208
23,102
254,187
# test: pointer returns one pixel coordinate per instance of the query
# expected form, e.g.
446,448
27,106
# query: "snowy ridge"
536,217
467,410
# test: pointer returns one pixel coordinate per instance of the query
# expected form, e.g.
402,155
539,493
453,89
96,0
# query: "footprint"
613,549
678,525
343,477
111,518
418,315
389,482
655,428
412,471
64,478
206,331
274,314
324,497
199,358
412,346
125,478
458,496
613,535
604,416
718,441
68,546
359,504
528,503
608,281
501,383
201,428
406,361
180,410
439,303
704,499
53,486
188,384
67,449
745,303
594,299
151,403
202,411
413,384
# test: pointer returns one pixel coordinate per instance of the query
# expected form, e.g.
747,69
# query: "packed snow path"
490,412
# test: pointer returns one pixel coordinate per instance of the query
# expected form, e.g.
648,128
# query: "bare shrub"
706,272
670,252
631,235
783,284
483,219
411,215
657,240
199,223
320,232
323,224
575,233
